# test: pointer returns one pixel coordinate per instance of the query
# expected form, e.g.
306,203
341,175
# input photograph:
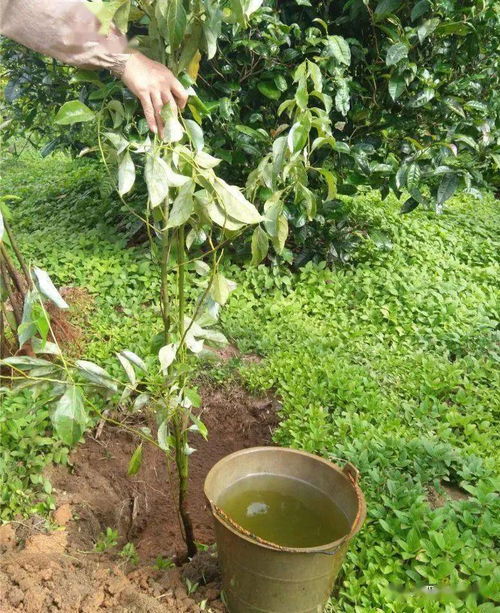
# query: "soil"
47,571
447,492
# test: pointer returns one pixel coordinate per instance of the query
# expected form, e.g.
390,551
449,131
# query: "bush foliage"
304,101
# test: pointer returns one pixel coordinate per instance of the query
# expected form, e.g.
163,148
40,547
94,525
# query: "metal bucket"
262,577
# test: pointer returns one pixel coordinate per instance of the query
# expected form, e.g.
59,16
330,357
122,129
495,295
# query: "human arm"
68,31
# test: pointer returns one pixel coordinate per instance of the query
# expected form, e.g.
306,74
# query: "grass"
391,363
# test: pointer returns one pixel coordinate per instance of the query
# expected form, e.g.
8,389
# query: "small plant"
163,563
129,554
107,540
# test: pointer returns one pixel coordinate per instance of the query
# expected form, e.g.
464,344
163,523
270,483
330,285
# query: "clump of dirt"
447,492
58,571
68,325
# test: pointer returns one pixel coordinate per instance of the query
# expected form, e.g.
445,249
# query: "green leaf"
420,8
385,7
221,288
183,206
338,47
69,416
176,18
212,27
166,355
253,133
198,426
315,73
301,95
215,212
72,112
119,142
235,204
280,82
135,461
331,182
155,173
409,205
195,134
25,362
260,245
128,368
397,86
96,375
163,436
413,176
396,53
342,98
173,130
422,98
427,28
447,188
48,289
126,174
135,359
297,137
269,89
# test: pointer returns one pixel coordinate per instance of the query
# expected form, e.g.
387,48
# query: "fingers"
157,102
149,112
180,93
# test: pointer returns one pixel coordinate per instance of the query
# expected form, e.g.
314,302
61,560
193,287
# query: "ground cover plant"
391,363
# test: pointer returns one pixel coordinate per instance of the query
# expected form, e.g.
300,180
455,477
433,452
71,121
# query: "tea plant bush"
390,362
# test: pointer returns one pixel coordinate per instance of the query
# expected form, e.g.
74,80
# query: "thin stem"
165,252
17,251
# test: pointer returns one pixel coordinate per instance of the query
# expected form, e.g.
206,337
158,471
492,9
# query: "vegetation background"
378,330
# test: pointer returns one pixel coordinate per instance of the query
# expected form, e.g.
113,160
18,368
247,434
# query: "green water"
284,510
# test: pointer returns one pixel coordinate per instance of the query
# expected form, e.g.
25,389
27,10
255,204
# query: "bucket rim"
329,548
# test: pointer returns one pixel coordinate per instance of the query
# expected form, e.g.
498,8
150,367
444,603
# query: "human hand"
155,85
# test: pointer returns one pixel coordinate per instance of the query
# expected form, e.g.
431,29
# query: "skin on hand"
155,85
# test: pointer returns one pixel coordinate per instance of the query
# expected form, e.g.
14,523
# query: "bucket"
262,577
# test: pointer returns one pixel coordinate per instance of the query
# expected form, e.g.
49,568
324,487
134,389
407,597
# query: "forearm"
65,30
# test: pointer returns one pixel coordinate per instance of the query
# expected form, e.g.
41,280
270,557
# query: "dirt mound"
56,571
34,582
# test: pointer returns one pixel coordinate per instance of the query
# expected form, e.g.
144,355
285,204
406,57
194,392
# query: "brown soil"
447,492
53,573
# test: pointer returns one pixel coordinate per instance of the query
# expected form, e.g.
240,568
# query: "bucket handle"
351,472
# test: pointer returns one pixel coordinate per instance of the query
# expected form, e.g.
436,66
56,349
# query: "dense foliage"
322,98
391,364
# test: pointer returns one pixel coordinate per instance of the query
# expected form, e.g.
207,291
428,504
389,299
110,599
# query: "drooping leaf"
96,375
163,436
260,245
128,368
166,355
69,416
182,207
48,289
135,359
126,174
235,204
447,188
221,288
135,462
195,134
155,173
173,130
72,112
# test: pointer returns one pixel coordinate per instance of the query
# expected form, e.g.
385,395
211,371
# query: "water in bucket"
284,511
